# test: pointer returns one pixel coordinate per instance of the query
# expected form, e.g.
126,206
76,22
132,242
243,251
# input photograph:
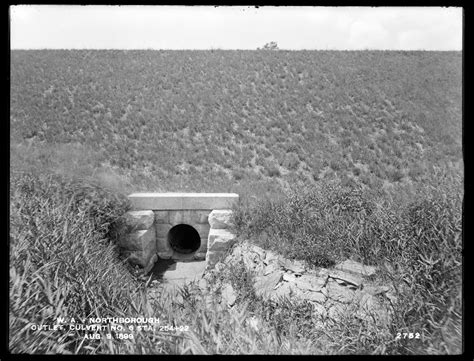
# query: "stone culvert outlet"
178,226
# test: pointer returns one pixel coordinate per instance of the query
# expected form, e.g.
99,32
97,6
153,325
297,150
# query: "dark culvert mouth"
184,238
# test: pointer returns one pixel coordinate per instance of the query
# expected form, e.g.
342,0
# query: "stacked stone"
220,236
343,289
135,233
165,220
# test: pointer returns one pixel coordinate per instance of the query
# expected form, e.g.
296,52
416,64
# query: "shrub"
272,170
238,174
291,161
335,164
416,171
395,175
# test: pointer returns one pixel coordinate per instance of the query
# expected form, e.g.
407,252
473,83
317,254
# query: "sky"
232,27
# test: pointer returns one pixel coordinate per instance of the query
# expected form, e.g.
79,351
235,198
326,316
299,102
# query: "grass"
150,111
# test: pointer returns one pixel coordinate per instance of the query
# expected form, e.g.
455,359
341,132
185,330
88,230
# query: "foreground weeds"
62,264
414,236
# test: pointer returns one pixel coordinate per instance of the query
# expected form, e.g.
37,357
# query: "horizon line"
236,49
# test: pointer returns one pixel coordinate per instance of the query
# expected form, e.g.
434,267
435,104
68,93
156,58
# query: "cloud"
412,40
370,35
201,27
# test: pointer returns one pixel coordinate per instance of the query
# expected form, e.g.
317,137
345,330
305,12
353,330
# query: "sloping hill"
370,116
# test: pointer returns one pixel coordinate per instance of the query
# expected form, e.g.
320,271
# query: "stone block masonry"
179,226
136,237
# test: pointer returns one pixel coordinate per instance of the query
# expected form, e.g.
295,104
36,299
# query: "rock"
136,221
137,240
321,272
140,258
356,268
265,285
220,219
336,311
283,290
228,295
270,258
367,301
212,258
318,297
259,251
375,290
272,267
295,267
288,277
344,283
135,258
346,277
319,309
310,283
340,293
220,240
249,259
151,264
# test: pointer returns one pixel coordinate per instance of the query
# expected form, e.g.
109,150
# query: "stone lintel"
183,201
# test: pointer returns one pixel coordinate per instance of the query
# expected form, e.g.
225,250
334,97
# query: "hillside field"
218,120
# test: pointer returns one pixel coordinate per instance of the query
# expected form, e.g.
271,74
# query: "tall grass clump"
61,263
312,224
428,262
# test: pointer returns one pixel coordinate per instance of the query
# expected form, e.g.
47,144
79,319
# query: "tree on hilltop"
269,46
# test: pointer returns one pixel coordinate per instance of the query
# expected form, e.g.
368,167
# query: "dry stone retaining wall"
345,289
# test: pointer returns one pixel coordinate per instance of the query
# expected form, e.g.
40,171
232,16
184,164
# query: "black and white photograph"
236,180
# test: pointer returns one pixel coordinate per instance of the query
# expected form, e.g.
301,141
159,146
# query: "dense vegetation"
217,119
334,154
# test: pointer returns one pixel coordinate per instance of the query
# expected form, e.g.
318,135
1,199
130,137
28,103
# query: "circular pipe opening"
184,238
